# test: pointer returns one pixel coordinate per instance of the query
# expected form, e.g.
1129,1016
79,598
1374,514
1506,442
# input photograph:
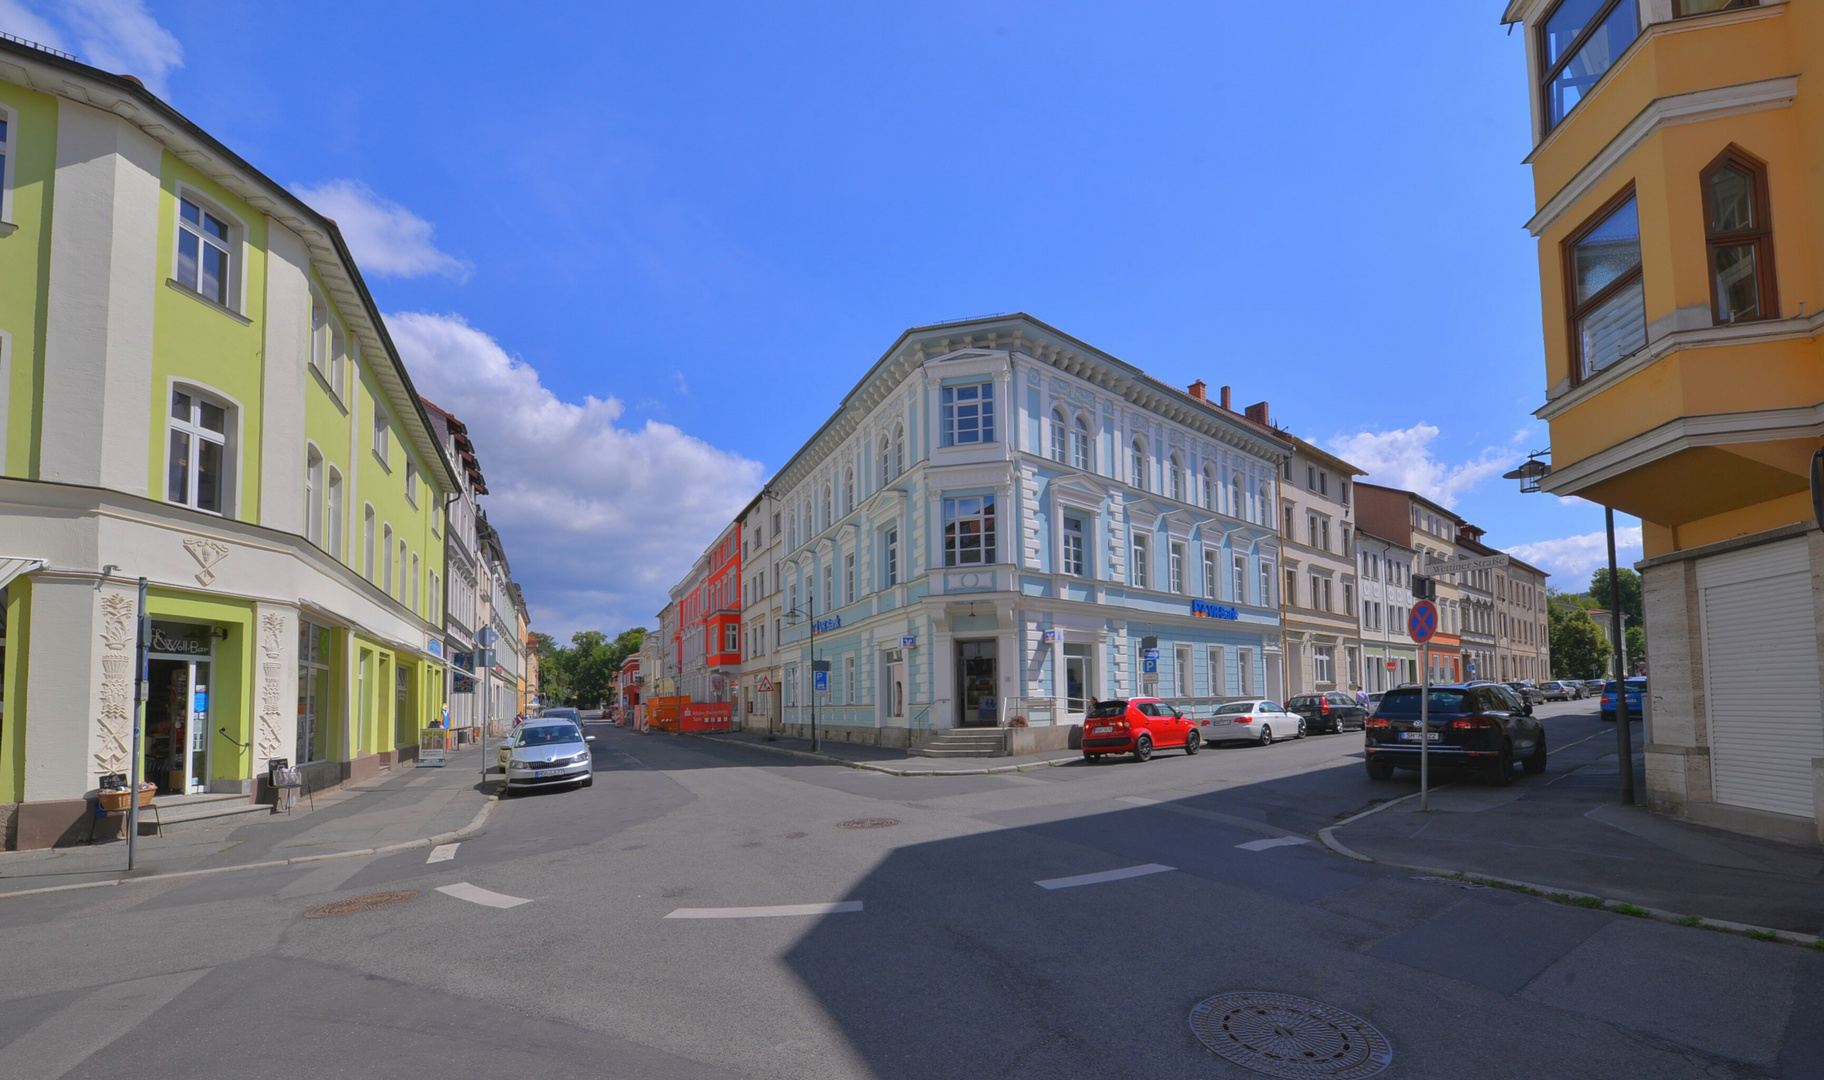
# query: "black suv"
1478,725
1332,712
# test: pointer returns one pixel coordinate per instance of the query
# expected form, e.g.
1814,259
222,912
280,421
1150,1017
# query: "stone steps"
964,742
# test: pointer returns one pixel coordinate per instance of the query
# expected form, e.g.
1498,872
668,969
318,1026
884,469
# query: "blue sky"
643,249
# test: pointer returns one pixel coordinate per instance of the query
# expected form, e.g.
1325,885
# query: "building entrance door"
177,724
977,684
1077,690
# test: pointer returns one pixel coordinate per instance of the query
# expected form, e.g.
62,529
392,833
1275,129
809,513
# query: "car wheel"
1301,728
588,781
1380,770
1192,743
1501,770
1143,748
1089,757
1266,735
1534,763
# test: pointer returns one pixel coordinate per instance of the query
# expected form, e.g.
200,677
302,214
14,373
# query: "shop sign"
908,642
824,626
1048,635
181,638
433,747
1209,609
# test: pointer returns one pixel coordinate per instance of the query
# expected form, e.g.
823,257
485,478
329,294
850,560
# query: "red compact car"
1137,726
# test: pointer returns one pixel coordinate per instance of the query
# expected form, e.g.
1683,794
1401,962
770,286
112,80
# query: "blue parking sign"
823,682
1149,666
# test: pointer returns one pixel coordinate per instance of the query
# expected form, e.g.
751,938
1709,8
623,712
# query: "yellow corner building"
1678,164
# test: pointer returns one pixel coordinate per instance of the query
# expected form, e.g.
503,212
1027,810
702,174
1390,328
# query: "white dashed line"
1273,842
443,852
475,894
765,912
1106,875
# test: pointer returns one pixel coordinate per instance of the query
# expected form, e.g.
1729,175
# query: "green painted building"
195,389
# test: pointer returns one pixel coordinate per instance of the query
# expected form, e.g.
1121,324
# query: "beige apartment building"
1320,597
763,613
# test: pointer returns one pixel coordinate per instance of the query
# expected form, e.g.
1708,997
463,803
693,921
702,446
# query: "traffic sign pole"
1425,728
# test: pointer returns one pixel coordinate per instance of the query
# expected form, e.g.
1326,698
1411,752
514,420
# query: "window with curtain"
1608,301
1578,43
1739,238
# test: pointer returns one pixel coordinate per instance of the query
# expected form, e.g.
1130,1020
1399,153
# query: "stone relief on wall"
114,737
207,553
267,741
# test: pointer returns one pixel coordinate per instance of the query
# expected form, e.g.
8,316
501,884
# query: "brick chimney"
1197,390
1257,412
1225,400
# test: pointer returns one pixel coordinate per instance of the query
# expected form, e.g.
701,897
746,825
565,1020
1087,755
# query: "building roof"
1324,457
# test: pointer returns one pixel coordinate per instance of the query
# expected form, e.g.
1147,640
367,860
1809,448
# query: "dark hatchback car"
1332,712
1482,726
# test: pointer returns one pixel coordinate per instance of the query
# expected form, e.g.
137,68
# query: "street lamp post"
1530,474
810,613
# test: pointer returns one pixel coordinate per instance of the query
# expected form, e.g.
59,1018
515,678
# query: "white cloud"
598,520
387,239
120,36
1403,459
1571,559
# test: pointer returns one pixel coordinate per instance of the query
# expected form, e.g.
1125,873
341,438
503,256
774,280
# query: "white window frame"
1238,579
1082,443
1137,574
1073,558
1266,583
411,482
1218,664
192,427
848,678
335,491
382,443
1056,451
316,493
987,516
369,522
1181,671
1209,573
1323,664
9,152
1176,485
1175,555
233,247
978,408
848,578
386,558
890,562
416,578
1136,465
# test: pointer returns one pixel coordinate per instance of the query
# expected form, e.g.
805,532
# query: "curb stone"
1571,897
890,770
474,825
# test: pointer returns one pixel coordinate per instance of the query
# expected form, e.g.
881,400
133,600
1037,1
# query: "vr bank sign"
1211,610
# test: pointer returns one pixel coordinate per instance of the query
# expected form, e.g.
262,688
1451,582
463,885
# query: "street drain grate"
868,823
354,905
1282,1035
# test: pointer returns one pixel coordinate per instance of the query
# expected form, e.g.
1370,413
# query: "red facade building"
707,639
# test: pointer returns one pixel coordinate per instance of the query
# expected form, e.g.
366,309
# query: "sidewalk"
402,808
1567,831
886,759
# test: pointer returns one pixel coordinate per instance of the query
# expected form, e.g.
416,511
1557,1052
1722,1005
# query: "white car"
545,753
1251,719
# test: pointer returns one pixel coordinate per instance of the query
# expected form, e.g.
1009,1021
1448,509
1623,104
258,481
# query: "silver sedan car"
546,753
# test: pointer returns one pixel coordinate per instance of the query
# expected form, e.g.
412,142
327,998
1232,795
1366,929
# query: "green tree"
1631,608
1637,647
553,668
1580,650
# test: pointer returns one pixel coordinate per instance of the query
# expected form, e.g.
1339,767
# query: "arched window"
886,461
313,495
848,492
899,449
1079,445
198,461
1260,506
335,512
1235,495
1057,435
1177,466
1740,238
829,516
1209,489
1136,466
367,542
386,558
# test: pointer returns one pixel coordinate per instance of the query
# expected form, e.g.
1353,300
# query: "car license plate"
1100,730
1413,736
539,774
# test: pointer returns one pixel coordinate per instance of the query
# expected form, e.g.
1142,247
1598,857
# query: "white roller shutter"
1761,676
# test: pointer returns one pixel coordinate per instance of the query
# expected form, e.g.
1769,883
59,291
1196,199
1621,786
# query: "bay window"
969,531
1739,238
1607,299
1579,42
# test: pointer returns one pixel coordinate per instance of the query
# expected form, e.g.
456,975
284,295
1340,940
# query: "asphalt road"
957,963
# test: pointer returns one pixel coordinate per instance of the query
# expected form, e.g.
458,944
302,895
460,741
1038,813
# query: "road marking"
443,852
475,894
68,1038
1106,875
1137,800
1207,815
765,912
1273,842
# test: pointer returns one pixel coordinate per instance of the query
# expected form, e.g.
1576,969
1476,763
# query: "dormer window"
1579,43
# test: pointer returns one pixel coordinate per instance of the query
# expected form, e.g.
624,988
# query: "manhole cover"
868,823
1282,1035
354,905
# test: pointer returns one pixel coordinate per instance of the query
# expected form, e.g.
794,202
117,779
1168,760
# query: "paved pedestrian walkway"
887,759
1567,830
403,805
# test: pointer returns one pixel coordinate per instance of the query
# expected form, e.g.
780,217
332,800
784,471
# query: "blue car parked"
1637,692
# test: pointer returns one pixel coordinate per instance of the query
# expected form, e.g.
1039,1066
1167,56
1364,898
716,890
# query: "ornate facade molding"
114,725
